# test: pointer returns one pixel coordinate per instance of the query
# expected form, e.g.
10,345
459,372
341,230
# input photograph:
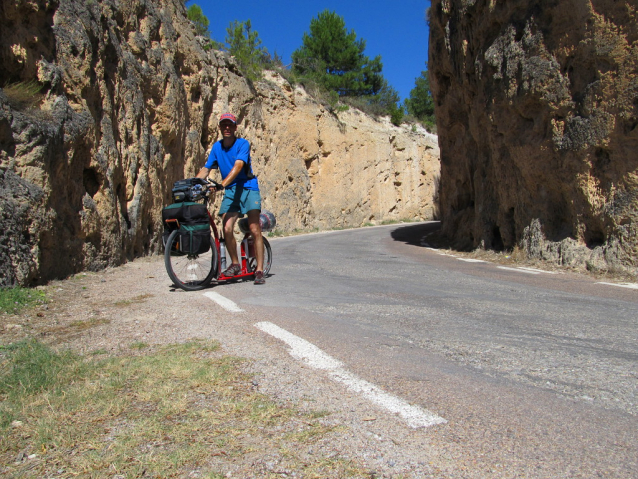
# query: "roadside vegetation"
13,300
182,410
27,98
141,409
331,66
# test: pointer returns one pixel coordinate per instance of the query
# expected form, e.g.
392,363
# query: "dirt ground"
114,310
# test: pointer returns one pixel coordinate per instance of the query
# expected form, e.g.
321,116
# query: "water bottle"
222,252
243,251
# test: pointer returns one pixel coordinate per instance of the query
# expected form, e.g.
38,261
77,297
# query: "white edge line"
472,260
225,303
622,285
518,270
537,270
310,354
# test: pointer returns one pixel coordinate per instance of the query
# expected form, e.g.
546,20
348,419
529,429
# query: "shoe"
259,277
232,270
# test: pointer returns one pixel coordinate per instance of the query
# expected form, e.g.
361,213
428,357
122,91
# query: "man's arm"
203,173
239,165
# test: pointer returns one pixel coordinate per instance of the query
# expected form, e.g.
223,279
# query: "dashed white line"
622,285
225,303
472,260
310,354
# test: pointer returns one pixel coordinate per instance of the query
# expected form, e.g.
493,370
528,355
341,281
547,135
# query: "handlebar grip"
214,185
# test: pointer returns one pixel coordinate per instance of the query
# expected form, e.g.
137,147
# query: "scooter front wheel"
190,272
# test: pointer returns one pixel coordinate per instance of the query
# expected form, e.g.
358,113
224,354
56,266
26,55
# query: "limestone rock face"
537,113
319,170
130,105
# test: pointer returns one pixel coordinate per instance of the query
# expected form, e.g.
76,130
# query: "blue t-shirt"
225,159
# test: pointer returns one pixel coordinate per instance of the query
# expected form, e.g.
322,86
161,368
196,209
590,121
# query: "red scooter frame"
246,255
195,271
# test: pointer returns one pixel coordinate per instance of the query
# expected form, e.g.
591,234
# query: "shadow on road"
415,234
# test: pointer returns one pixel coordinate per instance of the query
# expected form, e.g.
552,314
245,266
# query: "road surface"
532,374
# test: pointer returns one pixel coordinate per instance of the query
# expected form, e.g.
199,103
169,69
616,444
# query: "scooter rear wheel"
252,261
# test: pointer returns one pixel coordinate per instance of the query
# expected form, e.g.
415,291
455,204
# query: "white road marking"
519,270
537,270
225,303
472,260
314,357
622,285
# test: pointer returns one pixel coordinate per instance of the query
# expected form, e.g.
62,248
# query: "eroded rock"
537,112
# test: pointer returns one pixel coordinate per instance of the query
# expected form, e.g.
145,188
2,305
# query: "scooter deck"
236,278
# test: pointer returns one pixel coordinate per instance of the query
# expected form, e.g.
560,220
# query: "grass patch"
176,411
13,300
399,221
23,95
139,345
137,299
277,233
30,369
81,325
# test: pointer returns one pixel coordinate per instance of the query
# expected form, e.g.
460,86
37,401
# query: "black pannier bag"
191,219
194,239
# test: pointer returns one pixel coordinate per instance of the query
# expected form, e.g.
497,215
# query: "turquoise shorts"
238,199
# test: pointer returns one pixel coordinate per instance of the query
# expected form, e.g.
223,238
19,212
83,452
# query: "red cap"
228,116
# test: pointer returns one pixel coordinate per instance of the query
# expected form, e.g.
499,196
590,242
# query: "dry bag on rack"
191,219
190,189
267,222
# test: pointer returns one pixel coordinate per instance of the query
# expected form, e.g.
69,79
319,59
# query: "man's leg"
228,222
255,230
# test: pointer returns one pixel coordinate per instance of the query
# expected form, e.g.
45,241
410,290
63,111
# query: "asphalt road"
535,373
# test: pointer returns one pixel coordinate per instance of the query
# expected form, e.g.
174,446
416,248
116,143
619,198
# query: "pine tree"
421,104
244,44
201,22
334,58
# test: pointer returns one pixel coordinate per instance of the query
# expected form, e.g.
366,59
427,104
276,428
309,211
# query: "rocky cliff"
537,111
129,104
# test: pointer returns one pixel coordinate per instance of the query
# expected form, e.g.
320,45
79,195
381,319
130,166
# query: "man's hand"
213,186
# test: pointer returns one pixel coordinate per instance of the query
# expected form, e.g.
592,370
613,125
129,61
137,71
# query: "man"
241,197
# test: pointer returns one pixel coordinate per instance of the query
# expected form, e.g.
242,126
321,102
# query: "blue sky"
396,30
